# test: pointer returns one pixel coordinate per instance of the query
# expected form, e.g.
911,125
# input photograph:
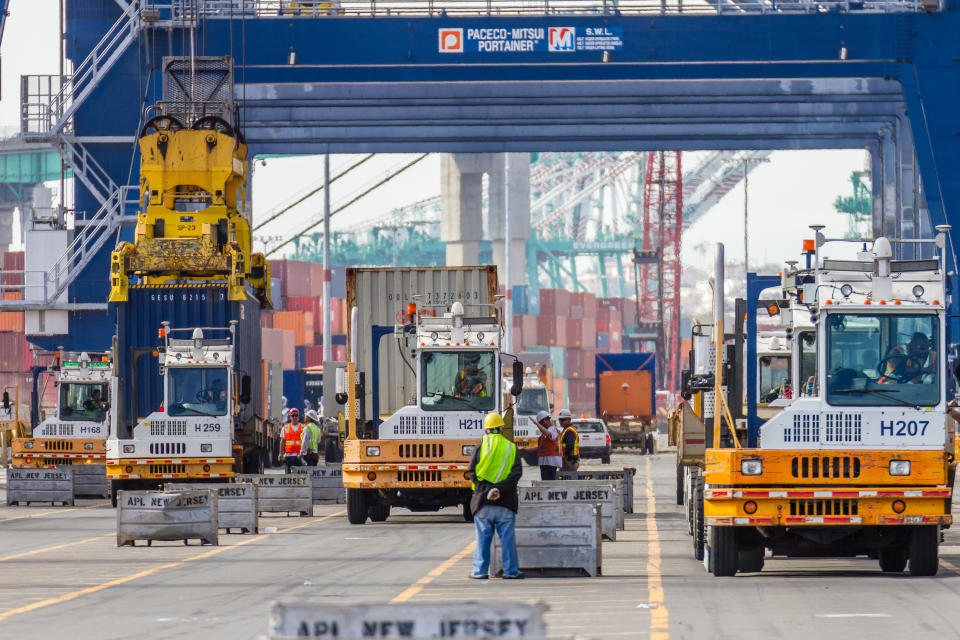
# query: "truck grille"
58,445
167,448
168,468
431,425
842,507
843,427
416,450
168,428
418,476
805,428
825,467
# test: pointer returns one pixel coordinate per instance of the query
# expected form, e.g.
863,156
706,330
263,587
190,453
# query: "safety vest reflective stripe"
497,455
292,439
576,441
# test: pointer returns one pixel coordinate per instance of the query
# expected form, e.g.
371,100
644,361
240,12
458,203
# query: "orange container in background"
634,399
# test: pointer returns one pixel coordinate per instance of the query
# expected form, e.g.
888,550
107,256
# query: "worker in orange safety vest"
292,441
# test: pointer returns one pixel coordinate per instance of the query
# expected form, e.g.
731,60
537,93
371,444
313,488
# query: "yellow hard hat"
493,421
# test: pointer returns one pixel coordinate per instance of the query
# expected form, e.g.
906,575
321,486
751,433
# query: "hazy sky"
795,189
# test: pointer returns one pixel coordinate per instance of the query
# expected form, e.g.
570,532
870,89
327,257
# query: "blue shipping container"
183,306
519,299
628,362
293,389
300,357
533,301
603,341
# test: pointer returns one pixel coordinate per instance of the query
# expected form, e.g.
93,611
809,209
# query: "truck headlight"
899,467
206,448
28,444
128,448
373,451
88,446
468,449
751,467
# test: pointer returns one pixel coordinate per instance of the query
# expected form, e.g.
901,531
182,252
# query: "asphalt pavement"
62,575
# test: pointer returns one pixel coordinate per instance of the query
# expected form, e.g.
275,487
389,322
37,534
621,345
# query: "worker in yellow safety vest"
495,470
569,441
310,448
292,441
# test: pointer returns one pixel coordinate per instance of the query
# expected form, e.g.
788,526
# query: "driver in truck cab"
910,363
471,381
93,402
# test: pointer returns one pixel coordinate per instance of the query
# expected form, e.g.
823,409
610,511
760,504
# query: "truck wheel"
356,506
698,528
679,485
466,511
605,459
724,556
924,550
115,487
649,444
893,558
379,512
751,560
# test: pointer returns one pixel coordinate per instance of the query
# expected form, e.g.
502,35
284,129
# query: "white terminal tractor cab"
76,432
881,351
458,377
191,435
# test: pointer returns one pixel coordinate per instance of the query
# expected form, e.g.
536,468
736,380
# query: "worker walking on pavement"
548,447
495,470
569,441
292,441
310,446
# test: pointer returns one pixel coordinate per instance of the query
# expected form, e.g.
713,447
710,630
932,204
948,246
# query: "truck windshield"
807,382
197,391
882,360
532,401
84,402
458,381
774,377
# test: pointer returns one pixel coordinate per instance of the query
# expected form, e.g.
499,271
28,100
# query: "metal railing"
185,9
41,288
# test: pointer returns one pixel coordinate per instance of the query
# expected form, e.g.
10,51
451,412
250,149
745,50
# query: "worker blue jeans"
488,519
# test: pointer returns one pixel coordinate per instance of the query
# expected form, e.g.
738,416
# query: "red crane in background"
658,283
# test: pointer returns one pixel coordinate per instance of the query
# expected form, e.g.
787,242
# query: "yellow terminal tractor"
192,223
77,432
191,436
859,463
419,457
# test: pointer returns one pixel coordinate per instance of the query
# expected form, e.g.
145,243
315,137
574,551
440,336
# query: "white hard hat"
564,413
543,415
313,415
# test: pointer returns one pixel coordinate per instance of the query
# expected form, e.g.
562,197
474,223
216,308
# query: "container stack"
571,327
293,331
16,357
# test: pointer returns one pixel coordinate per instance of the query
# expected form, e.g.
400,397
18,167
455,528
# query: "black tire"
925,550
356,506
379,512
466,511
724,555
649,444
605,459
751,560
893,558
679,485
115,487
699,530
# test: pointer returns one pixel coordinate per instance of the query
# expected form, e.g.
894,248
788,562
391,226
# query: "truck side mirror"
245,389
517,378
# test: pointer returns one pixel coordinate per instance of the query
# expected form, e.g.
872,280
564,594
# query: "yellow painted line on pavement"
950,565
58,511
659,615
436,572
54,548
142,574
